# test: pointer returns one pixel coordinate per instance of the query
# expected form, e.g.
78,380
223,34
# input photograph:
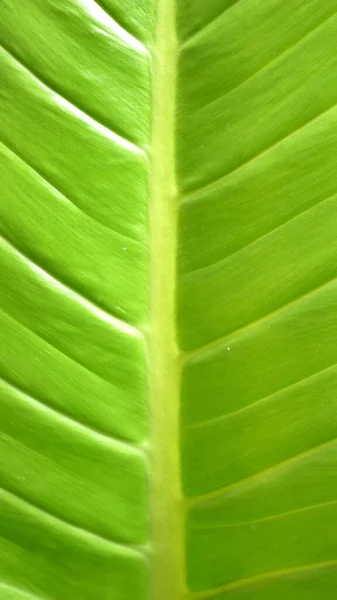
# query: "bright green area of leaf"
148,163
74,236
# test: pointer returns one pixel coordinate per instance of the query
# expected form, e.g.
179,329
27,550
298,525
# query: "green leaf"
168,378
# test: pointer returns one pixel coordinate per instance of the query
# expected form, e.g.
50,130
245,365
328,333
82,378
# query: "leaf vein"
222,418
189,196
292,460
133,549
256,579
271,62
197,33
275,517
87,429
68,291
6,586
67,356
65,198
216,345
85,117
258,239
136,42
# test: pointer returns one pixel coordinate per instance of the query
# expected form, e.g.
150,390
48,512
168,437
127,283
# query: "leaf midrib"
167,571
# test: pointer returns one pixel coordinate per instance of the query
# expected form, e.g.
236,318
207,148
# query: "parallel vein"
264,473
189,196
275,517
59,350
207,25
23,593
257,579
116,27
65,198
87,429
128,548
95,309
224,260
218,344
79,112
289,49
222,418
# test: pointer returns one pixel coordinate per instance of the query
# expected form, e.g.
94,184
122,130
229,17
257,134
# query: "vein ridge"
217,344
65,198
201,30
85,117
95,309
224,417
26,593
124,34
87,429
261,237
203,498
256,579
133,549
275,517
189,196
271,62
59,350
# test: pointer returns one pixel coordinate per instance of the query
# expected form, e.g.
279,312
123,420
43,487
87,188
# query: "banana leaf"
168,301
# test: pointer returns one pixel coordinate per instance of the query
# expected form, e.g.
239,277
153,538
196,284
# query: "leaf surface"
168,298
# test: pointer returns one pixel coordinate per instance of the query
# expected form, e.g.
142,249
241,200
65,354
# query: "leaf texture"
168,357
256,148
76,94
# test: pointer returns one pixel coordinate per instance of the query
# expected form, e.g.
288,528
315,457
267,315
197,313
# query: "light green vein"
276,517
263,474
190,196
166,502
217,345
271,397
261,578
